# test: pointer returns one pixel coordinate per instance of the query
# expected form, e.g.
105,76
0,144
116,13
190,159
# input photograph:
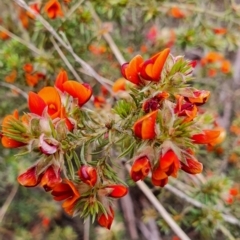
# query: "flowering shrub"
163,114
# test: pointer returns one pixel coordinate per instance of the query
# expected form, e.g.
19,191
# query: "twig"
68,47
86,230
107,36
181,194
22,41
165,215
68,64
13,87
7,203
128,212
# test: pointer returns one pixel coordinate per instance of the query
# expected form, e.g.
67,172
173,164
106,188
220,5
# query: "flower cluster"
214,62
168,124
54,118
157,124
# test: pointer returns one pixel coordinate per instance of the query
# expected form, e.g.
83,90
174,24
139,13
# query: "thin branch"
228,218
22,41
86,231
13,87
68,64
68,47
7,203
165,215
107,36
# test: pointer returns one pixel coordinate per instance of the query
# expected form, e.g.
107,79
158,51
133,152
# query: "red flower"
144,128
192,166
88,175
155,102
140,168
30,178
117,191
28,67
47,97
206,137
169,165
187,110
106,220
53,9
177,13
68,192
199,97
50,178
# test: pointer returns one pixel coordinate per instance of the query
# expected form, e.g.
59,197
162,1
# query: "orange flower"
6,141
11,77
117,191
53,9
177,13
4,35
169,165
220,31
88,175
68,192
28,67
226,66
99,101
192,166
199,97
131,70
47,97
188,110
151,69
82,92
143,48
206,137
32,79
212,72
233,191
212,57
23,18
35,8
119,85
50,178
140,168
97,50
106,220
30,178
220,138
144,128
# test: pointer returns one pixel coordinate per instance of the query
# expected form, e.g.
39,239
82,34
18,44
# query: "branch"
68,64
25,43
165,215
13,87
107,36
68,47
7,203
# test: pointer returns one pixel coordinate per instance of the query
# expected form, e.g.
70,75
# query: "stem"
165,215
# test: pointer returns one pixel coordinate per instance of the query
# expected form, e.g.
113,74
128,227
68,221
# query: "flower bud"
106,220
117,191
140,168
88,175
29,178
192,166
